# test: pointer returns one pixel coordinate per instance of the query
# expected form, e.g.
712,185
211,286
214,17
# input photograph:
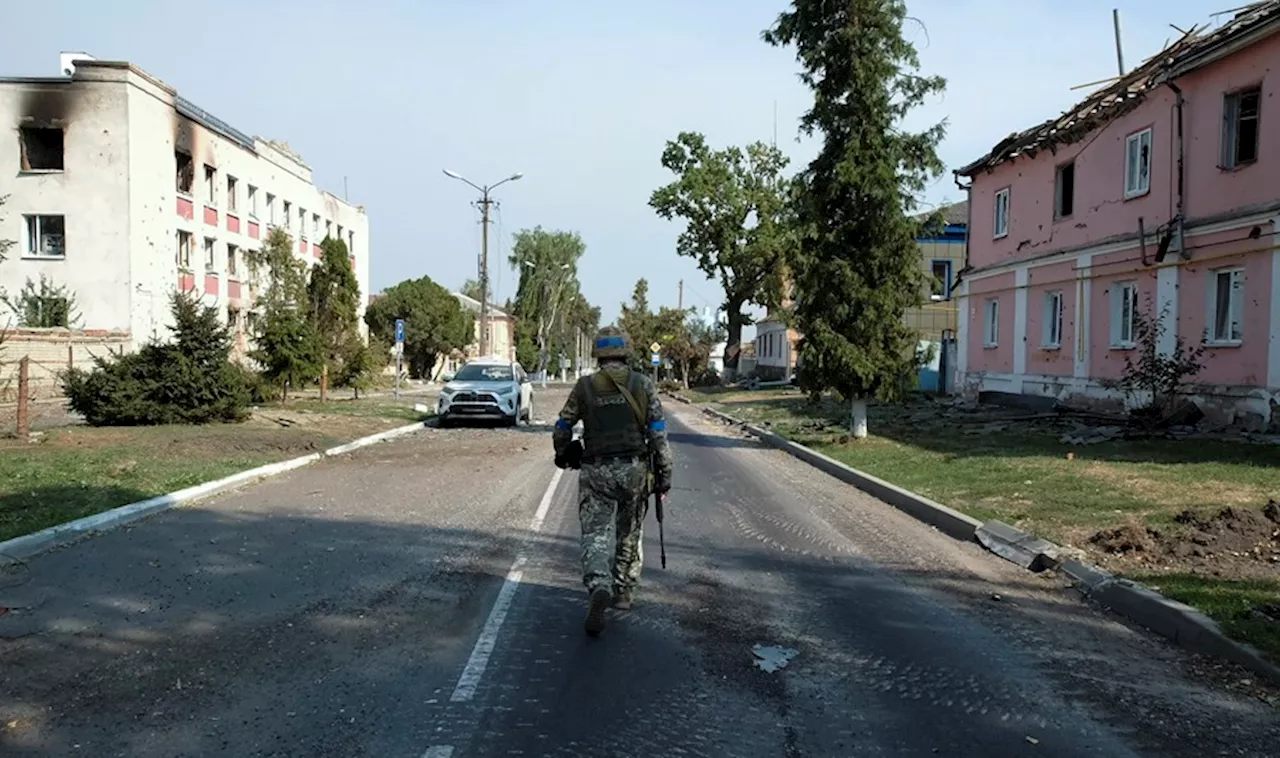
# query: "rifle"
657,510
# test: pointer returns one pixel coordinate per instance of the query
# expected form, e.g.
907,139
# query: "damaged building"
123,191
1156,200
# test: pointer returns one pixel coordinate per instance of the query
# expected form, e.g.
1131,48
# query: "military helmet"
611,342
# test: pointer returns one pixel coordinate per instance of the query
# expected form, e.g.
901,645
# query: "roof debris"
1128,91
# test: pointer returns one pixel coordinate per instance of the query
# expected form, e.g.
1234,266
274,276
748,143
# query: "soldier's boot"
622,600
597,604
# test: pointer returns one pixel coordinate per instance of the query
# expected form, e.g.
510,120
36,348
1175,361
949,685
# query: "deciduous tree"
434,322
733,202
857,266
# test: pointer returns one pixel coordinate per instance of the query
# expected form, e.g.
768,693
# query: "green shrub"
187,381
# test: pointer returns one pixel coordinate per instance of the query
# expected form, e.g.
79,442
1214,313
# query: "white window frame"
1000,214
946,280
252,195
302,223
1139,185
271,208
1054,303
210,255
233,270
211,186
233,199
991,323
1123,295
287,217
183,253
1234,314
36,238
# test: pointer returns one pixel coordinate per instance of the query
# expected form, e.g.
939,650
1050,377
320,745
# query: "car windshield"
477,373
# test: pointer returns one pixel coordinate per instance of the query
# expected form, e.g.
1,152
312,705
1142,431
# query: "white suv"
487,388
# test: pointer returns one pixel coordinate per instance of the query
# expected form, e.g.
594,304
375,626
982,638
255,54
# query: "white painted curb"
72,531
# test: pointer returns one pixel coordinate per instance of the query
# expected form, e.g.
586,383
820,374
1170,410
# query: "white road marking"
439,751
483,650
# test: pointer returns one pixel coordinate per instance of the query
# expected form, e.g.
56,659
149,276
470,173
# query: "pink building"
1161,191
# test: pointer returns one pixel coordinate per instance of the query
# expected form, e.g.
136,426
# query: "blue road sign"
655,359
399,330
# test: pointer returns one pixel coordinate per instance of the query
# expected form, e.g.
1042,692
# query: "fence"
43,355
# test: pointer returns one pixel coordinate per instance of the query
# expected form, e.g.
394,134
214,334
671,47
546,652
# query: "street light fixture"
485,203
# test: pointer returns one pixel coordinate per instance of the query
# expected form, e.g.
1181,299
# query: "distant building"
124,192
936,320
1158,193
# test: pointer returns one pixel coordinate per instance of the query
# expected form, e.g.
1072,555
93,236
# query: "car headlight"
447,390
507,390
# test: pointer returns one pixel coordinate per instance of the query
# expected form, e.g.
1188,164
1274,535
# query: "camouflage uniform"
614,485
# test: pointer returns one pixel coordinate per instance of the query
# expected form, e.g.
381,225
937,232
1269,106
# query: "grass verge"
77,471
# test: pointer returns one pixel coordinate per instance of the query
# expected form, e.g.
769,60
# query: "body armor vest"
610,427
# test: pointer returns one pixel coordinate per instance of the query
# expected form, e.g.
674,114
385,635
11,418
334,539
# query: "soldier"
624,446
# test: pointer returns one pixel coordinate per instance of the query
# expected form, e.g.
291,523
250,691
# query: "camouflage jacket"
656,423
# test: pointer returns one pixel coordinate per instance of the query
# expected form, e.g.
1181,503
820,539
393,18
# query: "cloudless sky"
580,96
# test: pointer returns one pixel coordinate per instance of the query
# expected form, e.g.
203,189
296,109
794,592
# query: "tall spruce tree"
857,268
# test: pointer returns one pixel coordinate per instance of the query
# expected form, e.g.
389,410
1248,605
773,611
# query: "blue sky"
579,96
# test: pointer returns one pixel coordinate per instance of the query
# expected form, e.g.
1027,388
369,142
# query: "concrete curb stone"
1180,623
33,544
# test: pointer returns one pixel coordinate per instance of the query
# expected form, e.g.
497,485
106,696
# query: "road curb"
33,544
1178,622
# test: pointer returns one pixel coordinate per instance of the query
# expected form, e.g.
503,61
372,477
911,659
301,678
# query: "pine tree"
286,344
858,264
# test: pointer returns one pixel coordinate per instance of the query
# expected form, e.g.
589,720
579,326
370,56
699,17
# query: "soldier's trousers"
613,501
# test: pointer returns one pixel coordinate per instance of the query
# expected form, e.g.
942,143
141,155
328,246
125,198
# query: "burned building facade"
123,191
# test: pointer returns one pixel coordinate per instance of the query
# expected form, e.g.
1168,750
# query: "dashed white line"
483,650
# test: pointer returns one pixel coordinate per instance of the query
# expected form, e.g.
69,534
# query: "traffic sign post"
399,353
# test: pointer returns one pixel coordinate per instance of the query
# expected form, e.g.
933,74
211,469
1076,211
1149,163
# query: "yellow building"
942,256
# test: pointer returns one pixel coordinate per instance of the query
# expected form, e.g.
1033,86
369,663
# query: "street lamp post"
485,202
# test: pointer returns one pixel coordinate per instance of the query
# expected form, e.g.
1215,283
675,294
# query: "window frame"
1229,151
32,231
1058,190
182,256
1235,307
211,186
1132,190
945,295
1117,339
1054,312
996,231
991,323
210,250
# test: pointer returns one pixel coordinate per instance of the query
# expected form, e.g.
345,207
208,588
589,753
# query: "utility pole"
680,297
485,203
1115,21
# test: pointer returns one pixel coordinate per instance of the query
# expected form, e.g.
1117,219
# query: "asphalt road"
422,598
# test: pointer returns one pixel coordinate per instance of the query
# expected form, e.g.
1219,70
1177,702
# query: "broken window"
209,254
41,148
1240,127
302,223
1137,166
328,229
233,318
210,185
186,171
253,201
271,208
231,194
184,250
286,216
232,253
315,226
1065,191
1052,337
46,236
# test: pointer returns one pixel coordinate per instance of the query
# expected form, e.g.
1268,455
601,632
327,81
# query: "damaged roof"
1196,48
